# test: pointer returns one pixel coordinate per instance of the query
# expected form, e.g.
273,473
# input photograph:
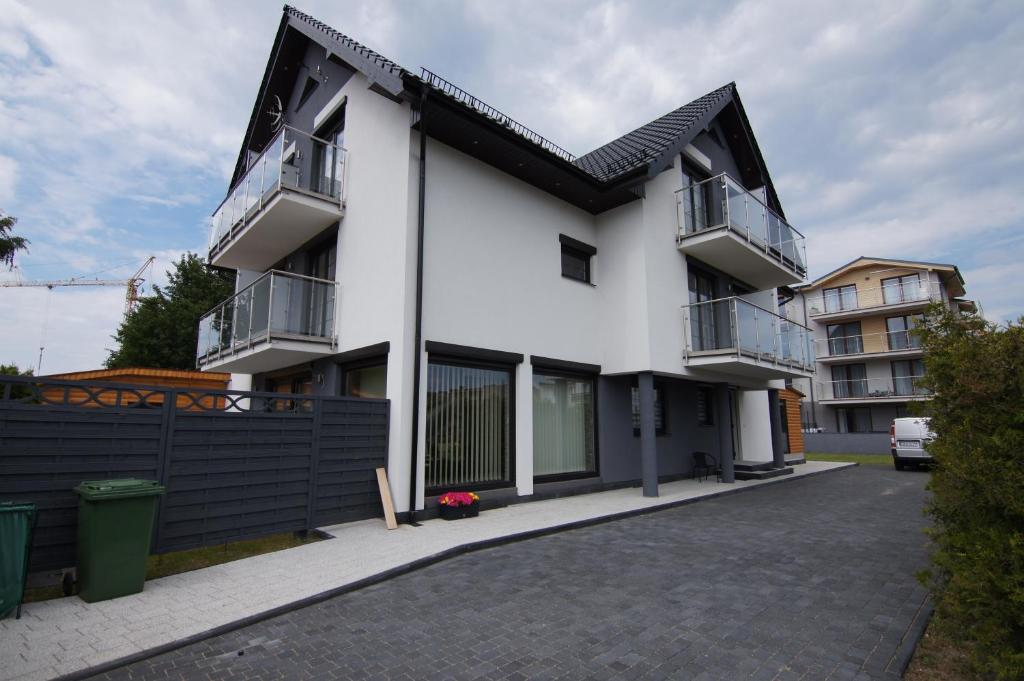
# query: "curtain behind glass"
467,425
563,425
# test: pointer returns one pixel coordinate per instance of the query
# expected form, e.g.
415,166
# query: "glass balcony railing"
277,305
721,202
292,160
882,341
852,297
873,388
735,326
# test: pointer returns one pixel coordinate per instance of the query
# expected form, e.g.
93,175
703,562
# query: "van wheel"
899,466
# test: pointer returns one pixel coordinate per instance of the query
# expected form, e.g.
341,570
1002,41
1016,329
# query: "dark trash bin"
115,523
17,524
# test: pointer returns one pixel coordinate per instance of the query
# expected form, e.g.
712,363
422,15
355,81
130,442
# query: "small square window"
576,257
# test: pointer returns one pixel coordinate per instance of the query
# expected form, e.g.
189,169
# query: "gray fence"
847,443
237,465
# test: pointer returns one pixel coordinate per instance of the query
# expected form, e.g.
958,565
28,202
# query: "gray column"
648,443
723,414
778,439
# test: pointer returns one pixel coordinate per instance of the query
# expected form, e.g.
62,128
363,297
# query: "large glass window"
702,311
694,200
468,425
849,380
840,298
845,339
902,289
367,381
898,330
906,375
855,420
564,441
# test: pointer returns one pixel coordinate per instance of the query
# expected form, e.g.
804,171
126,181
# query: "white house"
541,323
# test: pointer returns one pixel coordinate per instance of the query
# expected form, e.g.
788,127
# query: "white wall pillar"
755,425
524,428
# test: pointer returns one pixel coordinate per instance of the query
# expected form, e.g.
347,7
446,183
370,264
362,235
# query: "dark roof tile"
648,142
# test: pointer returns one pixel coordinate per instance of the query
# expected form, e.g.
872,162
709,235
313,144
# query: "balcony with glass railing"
734,336
730,228
279,320
903,343
290,193
868,390
851,301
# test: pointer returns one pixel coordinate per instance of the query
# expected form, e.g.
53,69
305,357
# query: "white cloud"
890,128
8,175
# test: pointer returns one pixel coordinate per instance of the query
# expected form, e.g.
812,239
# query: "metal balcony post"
263,180
757,335
735,330
270,305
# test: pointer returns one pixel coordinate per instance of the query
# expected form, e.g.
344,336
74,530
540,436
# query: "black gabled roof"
378,68
607,176
650,142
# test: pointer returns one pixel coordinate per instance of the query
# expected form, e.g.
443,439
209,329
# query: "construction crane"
133,287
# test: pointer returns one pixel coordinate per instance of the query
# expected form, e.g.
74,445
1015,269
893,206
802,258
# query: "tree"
976,370
17,391
163,330
9,243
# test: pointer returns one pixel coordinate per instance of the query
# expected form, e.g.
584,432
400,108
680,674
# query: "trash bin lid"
118,489
17,507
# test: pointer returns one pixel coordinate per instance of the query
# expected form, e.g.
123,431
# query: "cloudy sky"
890,128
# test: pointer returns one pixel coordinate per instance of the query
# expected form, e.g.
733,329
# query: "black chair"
705,464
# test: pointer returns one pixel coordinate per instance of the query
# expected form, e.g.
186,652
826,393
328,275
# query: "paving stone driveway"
810,579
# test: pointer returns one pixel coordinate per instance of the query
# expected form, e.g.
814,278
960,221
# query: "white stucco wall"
376,243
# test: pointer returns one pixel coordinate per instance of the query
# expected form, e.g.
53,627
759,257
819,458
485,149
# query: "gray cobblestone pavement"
812,579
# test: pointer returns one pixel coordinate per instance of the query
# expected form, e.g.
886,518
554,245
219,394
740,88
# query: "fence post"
163,461
314,462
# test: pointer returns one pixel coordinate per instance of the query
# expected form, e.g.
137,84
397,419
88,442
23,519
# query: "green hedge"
976,370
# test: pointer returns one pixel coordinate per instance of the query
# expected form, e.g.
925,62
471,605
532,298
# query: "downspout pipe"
418,346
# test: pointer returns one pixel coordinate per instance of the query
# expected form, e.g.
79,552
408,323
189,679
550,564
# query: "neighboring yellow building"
869,361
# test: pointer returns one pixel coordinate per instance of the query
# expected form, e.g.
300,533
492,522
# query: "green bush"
976,370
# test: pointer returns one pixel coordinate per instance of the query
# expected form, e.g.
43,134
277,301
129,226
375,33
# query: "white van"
909,438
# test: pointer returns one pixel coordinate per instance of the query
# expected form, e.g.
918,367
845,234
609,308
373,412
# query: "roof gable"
655,146
952,271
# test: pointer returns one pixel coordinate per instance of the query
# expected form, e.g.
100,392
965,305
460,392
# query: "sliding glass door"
468,426
564,441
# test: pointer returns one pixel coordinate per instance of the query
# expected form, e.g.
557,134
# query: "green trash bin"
17,523
115,522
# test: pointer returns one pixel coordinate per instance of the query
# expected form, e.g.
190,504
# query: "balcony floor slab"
269,355
726,250
287,221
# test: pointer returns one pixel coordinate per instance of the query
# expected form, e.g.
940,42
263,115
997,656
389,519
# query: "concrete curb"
900,660
422,563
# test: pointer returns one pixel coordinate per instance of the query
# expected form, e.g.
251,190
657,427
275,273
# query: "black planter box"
456,512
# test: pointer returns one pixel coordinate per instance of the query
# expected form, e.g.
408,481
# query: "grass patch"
866,459
164,564
940,658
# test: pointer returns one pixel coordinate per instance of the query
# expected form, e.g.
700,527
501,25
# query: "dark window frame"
905,330
583,252
659,398
356,365
900,287
578,375
839,298
840,411
490,365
